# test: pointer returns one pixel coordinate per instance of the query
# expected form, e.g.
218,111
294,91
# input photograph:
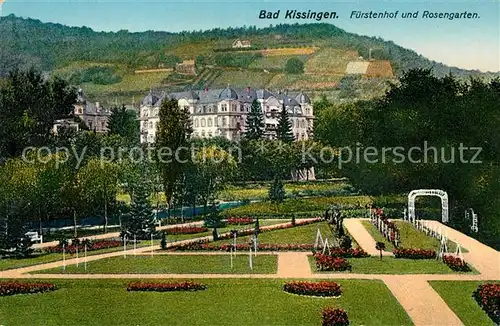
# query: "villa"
223,112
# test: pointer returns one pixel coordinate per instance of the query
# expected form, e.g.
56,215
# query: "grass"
261,191
410,238
305,81
237,78
176,264
275,62
390,265
225,302
297,205
330,61
298,235
377,236
458,296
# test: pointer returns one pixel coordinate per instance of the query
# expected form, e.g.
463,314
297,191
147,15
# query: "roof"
210,96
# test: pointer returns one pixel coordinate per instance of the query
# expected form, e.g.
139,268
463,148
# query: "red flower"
456,264
488,297
414,253
334,317
320,289
186,230
240,220
15,287
331,263
166,286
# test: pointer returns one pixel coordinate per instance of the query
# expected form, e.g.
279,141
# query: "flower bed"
348,253
186,230
319,289
204,246
166,286
456,264
334,317
239,220
91,246
488,297
414,253
15,287
331,263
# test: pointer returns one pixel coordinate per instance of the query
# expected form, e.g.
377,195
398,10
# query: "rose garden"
347,264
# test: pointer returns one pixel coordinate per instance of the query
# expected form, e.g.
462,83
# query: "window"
151,125
224,121
155,112
210,135
223,107
103,125
296,136
203,122
196,123
204,109
203,134
303,124
234,107
209,122
145,124
216,122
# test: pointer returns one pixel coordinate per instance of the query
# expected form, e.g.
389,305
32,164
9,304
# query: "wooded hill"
113,57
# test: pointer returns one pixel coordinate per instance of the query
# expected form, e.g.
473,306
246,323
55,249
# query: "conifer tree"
141,218
255,122
284,130
276,191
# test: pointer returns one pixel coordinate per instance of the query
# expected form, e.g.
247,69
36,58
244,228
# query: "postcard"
249,162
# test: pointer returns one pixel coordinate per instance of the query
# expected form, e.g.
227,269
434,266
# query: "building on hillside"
223,112
186,67
93,115
66,124
242,44
372,68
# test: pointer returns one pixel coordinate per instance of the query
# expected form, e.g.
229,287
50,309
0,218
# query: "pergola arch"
428,192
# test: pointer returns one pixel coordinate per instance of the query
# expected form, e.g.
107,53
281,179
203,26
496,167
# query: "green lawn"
410,238
298,235
458,296
176,264
390,265
298,206
225,302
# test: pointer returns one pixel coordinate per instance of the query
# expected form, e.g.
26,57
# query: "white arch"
428,192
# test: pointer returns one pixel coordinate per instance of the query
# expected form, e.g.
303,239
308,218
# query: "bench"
34,236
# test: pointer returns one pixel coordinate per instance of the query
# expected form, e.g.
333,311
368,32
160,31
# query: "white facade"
223,112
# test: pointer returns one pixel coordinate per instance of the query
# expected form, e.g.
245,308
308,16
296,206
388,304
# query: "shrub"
166,286
334,317
348,253
331,263
294,66
319,289
456,263
15,287
488,297
414,253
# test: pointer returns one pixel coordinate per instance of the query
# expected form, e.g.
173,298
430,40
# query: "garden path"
363,237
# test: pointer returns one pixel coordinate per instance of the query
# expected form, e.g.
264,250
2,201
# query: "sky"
464,43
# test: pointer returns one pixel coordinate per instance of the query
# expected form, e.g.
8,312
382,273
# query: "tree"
294,66
213,219
276,191
255,122
124,123
29,105
99,185
380,246
284,129
163,242
140,221
174,129
213,167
